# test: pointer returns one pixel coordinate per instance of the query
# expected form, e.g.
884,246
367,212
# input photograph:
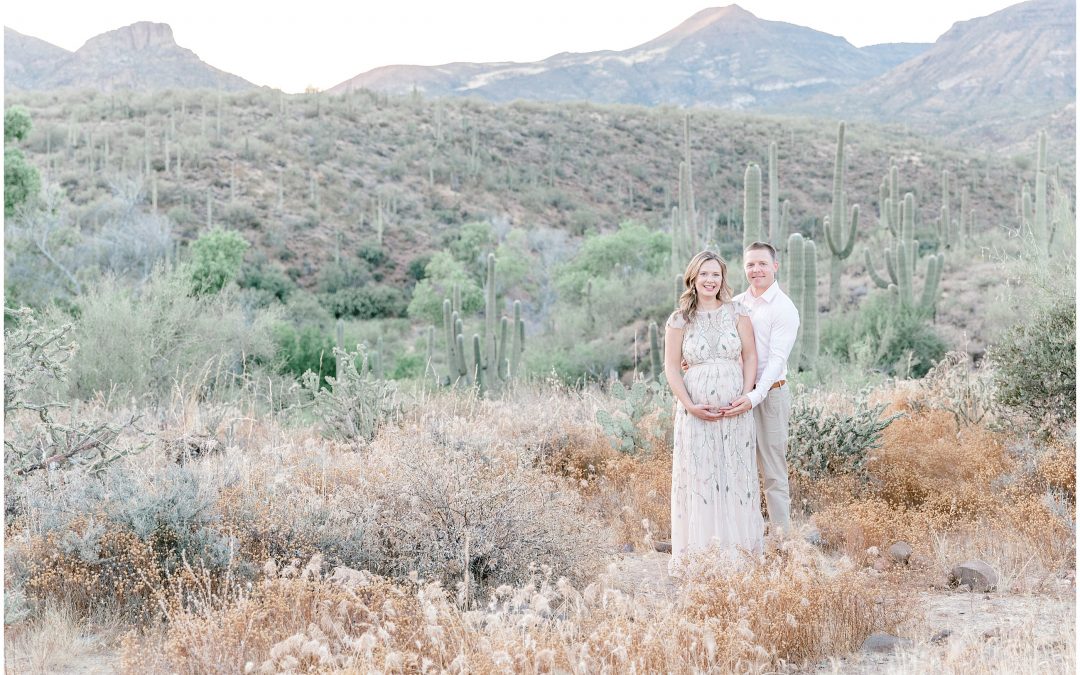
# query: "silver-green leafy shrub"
821,444
357,404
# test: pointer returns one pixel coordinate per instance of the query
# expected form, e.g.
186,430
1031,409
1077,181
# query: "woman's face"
708,280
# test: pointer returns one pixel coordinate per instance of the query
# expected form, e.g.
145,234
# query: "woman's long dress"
714,482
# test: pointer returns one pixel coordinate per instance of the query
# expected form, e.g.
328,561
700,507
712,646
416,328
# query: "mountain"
1014,67
142,56
28,59
722,57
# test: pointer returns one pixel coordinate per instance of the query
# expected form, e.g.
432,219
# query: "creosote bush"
1035,365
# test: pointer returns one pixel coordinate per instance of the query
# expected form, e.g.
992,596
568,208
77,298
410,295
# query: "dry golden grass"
287,496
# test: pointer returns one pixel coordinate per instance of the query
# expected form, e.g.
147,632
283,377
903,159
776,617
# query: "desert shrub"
241,216
269,280
442,273
303,348
1035,365
119,536
21,180
335,276
884,336
168,337
470,243
417,268
824,444
37,362
578,362
465,512
408,366
373,255
356,404
216,257
631,250
371,301
642,416
925,462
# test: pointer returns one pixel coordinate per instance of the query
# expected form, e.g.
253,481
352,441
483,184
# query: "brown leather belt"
776,385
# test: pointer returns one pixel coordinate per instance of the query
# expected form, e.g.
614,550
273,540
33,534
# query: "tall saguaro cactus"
795,249
808,312
840,246
774,198
752,205
1039,223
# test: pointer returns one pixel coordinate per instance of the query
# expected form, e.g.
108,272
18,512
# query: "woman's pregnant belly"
714,383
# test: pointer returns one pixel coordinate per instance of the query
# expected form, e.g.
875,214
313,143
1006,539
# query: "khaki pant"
771,420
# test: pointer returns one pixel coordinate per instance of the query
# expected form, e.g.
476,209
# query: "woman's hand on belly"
706,412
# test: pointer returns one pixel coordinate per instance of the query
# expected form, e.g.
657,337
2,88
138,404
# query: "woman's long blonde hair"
688,301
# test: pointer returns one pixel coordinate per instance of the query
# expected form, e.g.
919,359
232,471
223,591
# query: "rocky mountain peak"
140,36
711,17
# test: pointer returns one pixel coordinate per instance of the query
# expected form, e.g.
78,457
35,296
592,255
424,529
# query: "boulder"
662,546
977,575
941,636
901,552
883,642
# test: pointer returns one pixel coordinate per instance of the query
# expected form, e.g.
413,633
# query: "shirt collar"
770,293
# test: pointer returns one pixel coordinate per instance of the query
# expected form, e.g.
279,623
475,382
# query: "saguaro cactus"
808,312
840,247
795,249
752,205
656,355
775,236
1040,226
496,357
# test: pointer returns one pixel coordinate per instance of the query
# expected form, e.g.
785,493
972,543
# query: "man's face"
760,269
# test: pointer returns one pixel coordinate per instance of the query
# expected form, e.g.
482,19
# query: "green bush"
1035,364
882,336
442,273
300,349
333,277
270,280
366,302
145,343
21,180
633,249
216,257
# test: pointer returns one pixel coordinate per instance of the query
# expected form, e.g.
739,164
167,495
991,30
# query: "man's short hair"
762,246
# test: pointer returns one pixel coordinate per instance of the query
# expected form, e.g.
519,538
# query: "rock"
882,642
994,632
901,552
813,537
627,548
977,575
662,546
881,565
941,636
873,551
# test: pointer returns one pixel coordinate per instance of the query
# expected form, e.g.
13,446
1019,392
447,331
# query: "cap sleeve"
740,309
676,320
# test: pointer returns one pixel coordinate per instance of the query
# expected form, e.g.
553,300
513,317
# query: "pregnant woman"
714,483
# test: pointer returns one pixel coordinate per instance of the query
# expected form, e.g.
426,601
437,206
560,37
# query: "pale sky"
320,43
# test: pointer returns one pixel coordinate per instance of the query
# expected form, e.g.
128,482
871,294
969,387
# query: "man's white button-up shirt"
776,324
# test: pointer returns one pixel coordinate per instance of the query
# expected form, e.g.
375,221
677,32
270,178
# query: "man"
776,324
